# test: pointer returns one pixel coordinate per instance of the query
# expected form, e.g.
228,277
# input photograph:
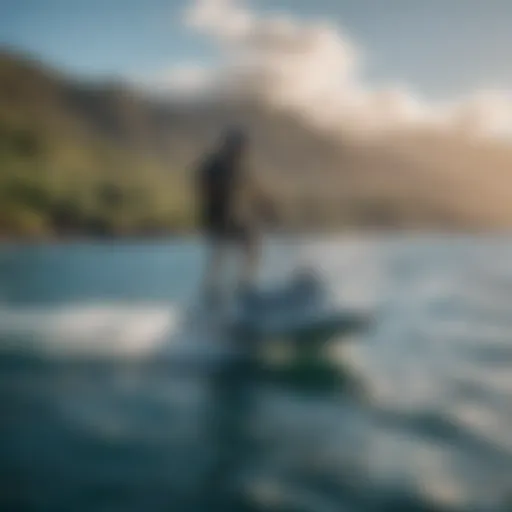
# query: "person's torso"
226,190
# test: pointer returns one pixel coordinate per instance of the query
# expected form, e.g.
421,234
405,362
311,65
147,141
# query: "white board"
298,311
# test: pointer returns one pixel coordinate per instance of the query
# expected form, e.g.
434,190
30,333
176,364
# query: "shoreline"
170,237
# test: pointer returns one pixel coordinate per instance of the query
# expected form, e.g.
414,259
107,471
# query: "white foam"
91,329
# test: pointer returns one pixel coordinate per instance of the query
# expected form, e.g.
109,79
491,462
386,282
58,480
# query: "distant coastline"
101,161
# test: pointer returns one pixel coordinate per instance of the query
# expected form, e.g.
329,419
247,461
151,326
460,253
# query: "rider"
232,205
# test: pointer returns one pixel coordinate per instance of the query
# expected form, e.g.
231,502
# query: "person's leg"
251,254
213,271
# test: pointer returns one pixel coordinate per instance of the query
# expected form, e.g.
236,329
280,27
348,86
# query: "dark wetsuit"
221,181
232,205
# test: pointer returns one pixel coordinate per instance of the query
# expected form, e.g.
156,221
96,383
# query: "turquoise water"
99,412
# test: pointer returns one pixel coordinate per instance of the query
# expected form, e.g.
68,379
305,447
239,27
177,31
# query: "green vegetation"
62,174
70,190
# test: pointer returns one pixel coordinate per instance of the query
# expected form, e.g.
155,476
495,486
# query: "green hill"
102,159
78,159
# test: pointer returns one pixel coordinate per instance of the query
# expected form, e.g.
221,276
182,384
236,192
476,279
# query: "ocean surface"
100,410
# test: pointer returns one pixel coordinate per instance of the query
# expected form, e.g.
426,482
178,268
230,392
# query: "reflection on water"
413,414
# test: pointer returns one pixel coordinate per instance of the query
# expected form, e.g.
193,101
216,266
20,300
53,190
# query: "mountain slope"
105,159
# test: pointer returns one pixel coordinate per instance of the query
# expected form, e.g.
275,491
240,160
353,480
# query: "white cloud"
485,113
220,18
191,79
183,81
314,69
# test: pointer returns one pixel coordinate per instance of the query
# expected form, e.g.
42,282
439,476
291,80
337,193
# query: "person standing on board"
232,206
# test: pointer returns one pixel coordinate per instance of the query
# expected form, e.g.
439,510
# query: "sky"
447,57
442,47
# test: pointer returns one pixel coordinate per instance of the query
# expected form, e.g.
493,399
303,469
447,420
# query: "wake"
92,330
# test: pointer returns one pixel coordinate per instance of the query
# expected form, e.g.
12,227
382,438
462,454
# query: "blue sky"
441,48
